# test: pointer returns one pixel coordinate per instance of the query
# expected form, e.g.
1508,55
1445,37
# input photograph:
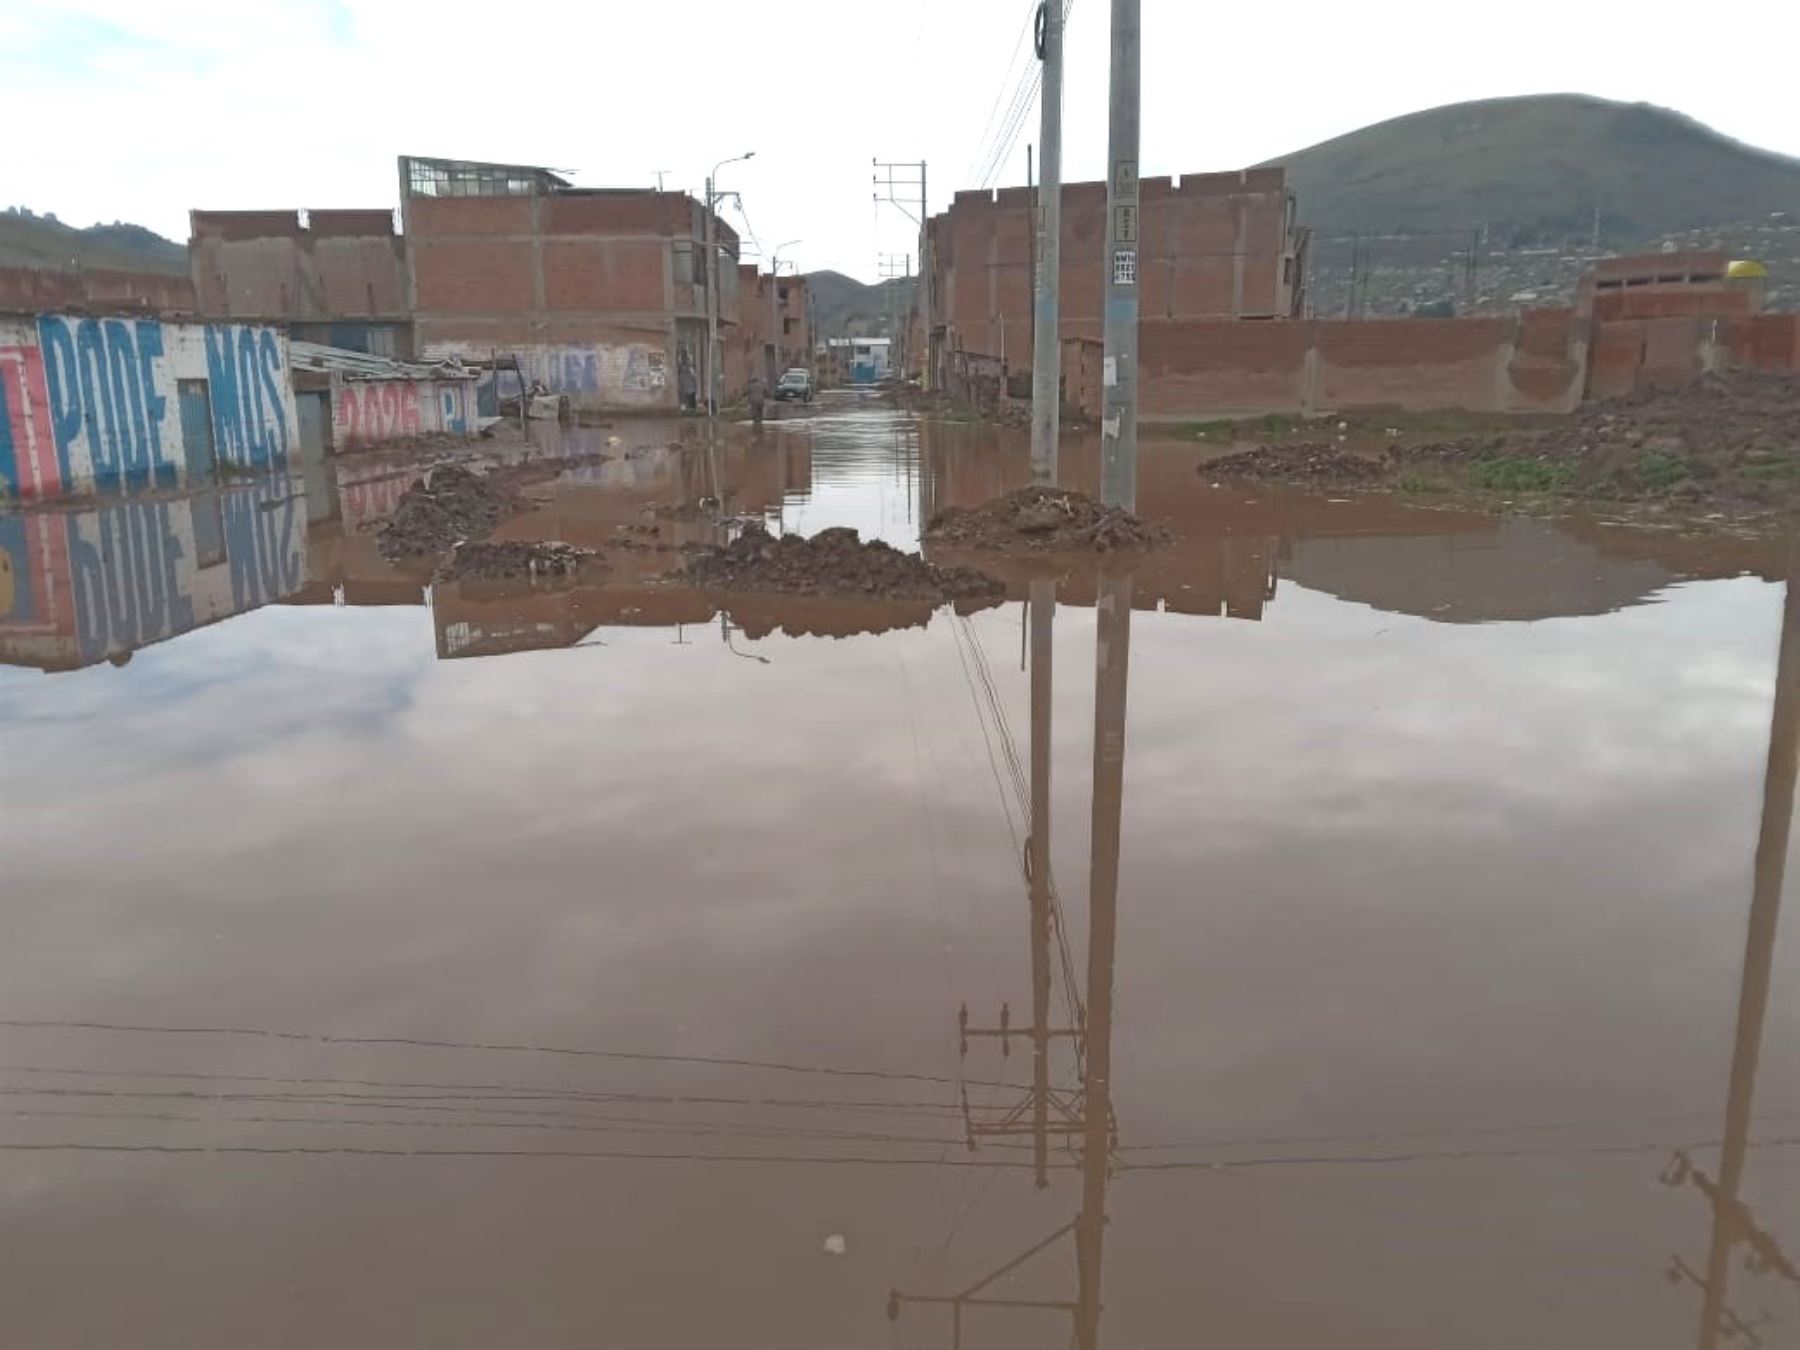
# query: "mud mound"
1726,438
446,507
1042,518
833,562
1302,462
497,562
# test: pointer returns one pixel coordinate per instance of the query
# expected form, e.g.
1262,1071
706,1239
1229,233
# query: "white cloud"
141,113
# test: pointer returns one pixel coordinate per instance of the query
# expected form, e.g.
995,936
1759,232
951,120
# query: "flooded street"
392,965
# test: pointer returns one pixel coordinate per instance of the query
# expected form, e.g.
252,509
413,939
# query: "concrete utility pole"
892,184
1046,345
714,366
1119,376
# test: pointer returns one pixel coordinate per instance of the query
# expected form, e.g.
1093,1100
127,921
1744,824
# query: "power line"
1000,93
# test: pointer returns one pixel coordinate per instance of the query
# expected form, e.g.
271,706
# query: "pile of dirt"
447,507
1302,462
833,561
1726,438
532,560
1043,518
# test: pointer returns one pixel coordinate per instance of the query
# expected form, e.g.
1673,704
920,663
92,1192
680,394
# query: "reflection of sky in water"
864,475
1379,875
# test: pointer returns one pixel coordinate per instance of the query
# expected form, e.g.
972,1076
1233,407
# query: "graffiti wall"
623,375
119,405
77,587
371,412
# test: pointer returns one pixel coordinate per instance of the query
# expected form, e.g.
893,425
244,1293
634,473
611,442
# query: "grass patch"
1773,470
1511,474
1419,483
1657,470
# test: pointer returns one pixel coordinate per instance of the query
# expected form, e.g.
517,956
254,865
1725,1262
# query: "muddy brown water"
581,966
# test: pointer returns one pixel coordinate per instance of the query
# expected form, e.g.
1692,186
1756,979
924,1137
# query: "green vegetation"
1508,473
1531,169
28,240
1419,484
1660,471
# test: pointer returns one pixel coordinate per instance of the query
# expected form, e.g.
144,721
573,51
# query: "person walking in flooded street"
756,395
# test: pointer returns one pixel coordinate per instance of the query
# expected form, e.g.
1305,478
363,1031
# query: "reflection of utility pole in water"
1112,654
1090,1114
1733,1222
1031,1114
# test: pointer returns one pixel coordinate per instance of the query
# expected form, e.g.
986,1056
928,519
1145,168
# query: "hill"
846,307
30,240
1534,169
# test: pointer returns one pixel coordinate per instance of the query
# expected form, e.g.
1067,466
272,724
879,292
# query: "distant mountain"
1535,169
846,307
30,240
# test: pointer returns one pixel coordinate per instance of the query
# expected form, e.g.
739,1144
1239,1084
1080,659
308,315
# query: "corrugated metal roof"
362,366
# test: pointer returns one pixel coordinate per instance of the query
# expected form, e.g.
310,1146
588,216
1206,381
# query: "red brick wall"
1414,364
472,276
1213,366
603,274
428,216
1213,246
1764,341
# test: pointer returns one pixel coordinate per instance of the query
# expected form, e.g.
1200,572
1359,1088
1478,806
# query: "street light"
712,284
775,334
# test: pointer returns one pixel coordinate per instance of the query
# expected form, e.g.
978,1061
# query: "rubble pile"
835,561
1301,462
447,507
1043,518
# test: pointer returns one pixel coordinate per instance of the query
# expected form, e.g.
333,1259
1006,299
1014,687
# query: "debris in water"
534,559
835,1244
1043,518
833,561
1295,463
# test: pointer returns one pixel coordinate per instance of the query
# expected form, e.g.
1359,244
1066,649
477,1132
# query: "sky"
141,109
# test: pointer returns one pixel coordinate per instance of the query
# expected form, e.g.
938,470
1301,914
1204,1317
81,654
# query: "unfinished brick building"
600,292
1213,246
333,277
773,332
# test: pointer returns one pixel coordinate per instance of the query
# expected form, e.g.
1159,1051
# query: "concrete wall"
32,290
594,291
92,404
267,265
366,413
1211,246
1222,367
78,587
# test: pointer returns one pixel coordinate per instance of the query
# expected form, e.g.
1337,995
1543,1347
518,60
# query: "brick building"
773,329
601,293
333,277
1213,246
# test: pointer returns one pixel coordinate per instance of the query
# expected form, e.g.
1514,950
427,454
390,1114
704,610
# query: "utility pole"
903,183
714,366
1046,344
1119,376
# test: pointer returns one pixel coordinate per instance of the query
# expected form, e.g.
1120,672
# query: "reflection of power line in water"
323,1038
508,1091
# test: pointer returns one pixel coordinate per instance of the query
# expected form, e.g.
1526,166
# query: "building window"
456,178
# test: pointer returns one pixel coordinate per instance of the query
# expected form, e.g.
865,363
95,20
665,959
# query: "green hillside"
1534,169
28,240
846,307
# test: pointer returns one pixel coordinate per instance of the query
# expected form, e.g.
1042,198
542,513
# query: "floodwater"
582,967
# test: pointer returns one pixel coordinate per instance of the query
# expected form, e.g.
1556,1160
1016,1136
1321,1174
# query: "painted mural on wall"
634,374
78,587
370,412
120,405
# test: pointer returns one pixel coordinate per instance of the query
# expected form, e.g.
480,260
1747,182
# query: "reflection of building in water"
77,587
1734,1223
1510,568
